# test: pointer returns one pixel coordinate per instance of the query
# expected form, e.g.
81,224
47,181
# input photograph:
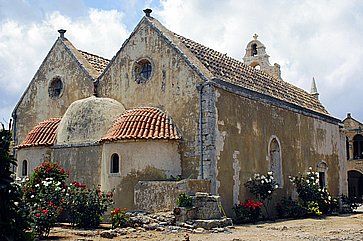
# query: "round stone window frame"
51,88
137,72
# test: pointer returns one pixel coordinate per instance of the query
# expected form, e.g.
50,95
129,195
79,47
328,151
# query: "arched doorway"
355,184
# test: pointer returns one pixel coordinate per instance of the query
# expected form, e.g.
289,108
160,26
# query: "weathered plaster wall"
36,105
82,162
34,155
244,130
172,88
139,160
159,196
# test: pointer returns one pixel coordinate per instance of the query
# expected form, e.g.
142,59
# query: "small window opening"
254,50
24,168
55,88
143,71
115,163
347,147
322,183
358,147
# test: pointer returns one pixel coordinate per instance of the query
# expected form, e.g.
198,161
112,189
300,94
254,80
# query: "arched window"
24,168
275,160
358,147
347,147
254,50
322,171
115,163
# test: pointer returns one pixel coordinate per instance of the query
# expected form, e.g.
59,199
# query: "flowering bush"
262,186
247,212
316,199
119,219
44,193
85,206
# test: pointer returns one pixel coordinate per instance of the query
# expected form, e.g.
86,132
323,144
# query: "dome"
43,134
143,123
87,120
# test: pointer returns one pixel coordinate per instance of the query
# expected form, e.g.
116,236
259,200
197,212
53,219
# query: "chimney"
147,12
349,115
61,33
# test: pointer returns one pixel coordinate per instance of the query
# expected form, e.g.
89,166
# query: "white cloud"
24,46
307,38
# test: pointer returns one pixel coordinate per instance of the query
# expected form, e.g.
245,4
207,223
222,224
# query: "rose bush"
85,206
119,219
262,187
247,212
44,194
316,199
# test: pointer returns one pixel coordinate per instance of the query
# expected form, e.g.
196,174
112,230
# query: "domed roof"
143,123
43,134
87,120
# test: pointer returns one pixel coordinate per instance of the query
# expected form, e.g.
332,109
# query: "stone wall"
244,129
162,195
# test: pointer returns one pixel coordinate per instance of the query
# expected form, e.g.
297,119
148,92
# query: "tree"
13,217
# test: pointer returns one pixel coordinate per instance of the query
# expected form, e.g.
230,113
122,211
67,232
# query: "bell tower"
257,58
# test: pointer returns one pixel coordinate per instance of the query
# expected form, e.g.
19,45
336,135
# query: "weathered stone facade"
354,150
227,120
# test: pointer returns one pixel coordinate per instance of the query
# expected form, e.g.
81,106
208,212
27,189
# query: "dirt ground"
333,228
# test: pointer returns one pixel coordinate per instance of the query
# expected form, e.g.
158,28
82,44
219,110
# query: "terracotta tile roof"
97,62
43,134
233,71
142,123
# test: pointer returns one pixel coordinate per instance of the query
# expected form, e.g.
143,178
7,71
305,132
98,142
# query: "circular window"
55,88
143,71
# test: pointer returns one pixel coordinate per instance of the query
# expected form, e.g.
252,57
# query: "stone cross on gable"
255,36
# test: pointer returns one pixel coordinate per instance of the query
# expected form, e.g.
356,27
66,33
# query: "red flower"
251,204
45,211
37,215
115,211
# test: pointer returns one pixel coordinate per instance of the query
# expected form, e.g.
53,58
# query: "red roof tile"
236,72
43,134
97,62
142,123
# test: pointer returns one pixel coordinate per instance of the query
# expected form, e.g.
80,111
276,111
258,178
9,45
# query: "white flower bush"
262,186
311,195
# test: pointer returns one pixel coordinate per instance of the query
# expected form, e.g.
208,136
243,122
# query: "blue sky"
321,39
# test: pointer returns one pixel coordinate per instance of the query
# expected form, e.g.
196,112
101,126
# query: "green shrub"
247,212
312,196
184,200
85,206
119,219
44,194
288,208
14,220
262,186
349,204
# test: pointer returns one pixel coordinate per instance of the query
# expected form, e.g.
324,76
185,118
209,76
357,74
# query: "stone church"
166,106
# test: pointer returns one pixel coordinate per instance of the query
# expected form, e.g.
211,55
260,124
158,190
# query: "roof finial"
314,90
61,33
148,12
255,36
